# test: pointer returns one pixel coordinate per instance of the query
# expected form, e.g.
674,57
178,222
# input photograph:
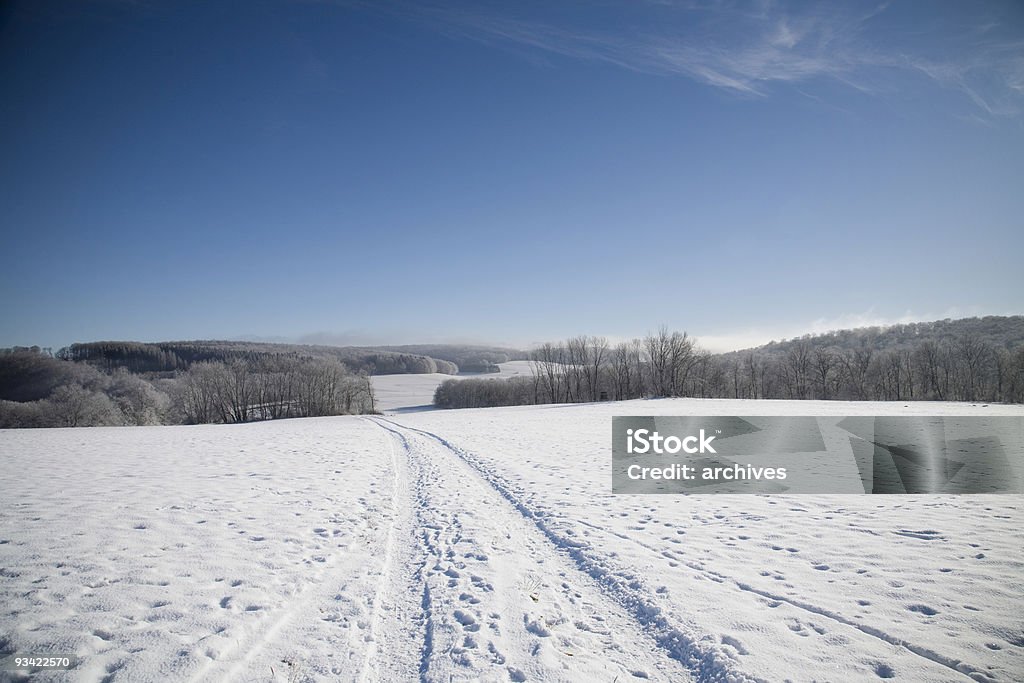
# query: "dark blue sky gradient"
396,173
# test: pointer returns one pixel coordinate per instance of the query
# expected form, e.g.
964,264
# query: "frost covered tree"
76,406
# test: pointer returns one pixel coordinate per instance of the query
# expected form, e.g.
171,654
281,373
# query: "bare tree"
824,363
638,361
199,395
703,373
659,356
751,364
856,366
75,406
622,371
576,361
972,355
734,368
798,367
927,358
907,361
683,357
597,357
549,362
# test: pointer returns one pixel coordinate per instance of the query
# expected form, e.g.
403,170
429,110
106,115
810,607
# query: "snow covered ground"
484,545
411,393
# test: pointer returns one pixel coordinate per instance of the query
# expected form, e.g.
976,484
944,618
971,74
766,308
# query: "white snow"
484,545
413,393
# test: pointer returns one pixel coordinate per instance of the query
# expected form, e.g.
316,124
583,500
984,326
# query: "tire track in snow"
643,607
693,651
505,604
385,602
958,666
402,615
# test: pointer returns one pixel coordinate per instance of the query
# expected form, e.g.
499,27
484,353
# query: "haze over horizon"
735,340
719,341
416,172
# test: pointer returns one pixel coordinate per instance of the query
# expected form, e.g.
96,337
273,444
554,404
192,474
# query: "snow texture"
484,545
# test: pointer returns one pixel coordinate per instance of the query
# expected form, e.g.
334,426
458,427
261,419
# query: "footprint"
467,620
884,671
923,609
536,627
735,644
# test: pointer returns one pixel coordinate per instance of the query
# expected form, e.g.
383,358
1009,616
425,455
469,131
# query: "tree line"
271,389
172,357
963,367
38,389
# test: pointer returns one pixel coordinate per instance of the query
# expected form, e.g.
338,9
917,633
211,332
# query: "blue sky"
506,172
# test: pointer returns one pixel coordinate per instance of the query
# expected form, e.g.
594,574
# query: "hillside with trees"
194,382
40,390
974,359
138,357
468,358
133,383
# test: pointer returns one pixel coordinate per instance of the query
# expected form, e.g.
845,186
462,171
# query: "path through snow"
483,545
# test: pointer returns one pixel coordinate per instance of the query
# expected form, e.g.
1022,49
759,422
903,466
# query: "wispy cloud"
749,47
992,77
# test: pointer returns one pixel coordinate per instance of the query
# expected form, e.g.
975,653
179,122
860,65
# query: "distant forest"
466,358
195,382
974,359
139,357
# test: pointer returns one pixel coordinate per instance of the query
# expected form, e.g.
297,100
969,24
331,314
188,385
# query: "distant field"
410,392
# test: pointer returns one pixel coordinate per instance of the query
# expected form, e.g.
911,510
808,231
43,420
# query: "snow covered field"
484,545
410,393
